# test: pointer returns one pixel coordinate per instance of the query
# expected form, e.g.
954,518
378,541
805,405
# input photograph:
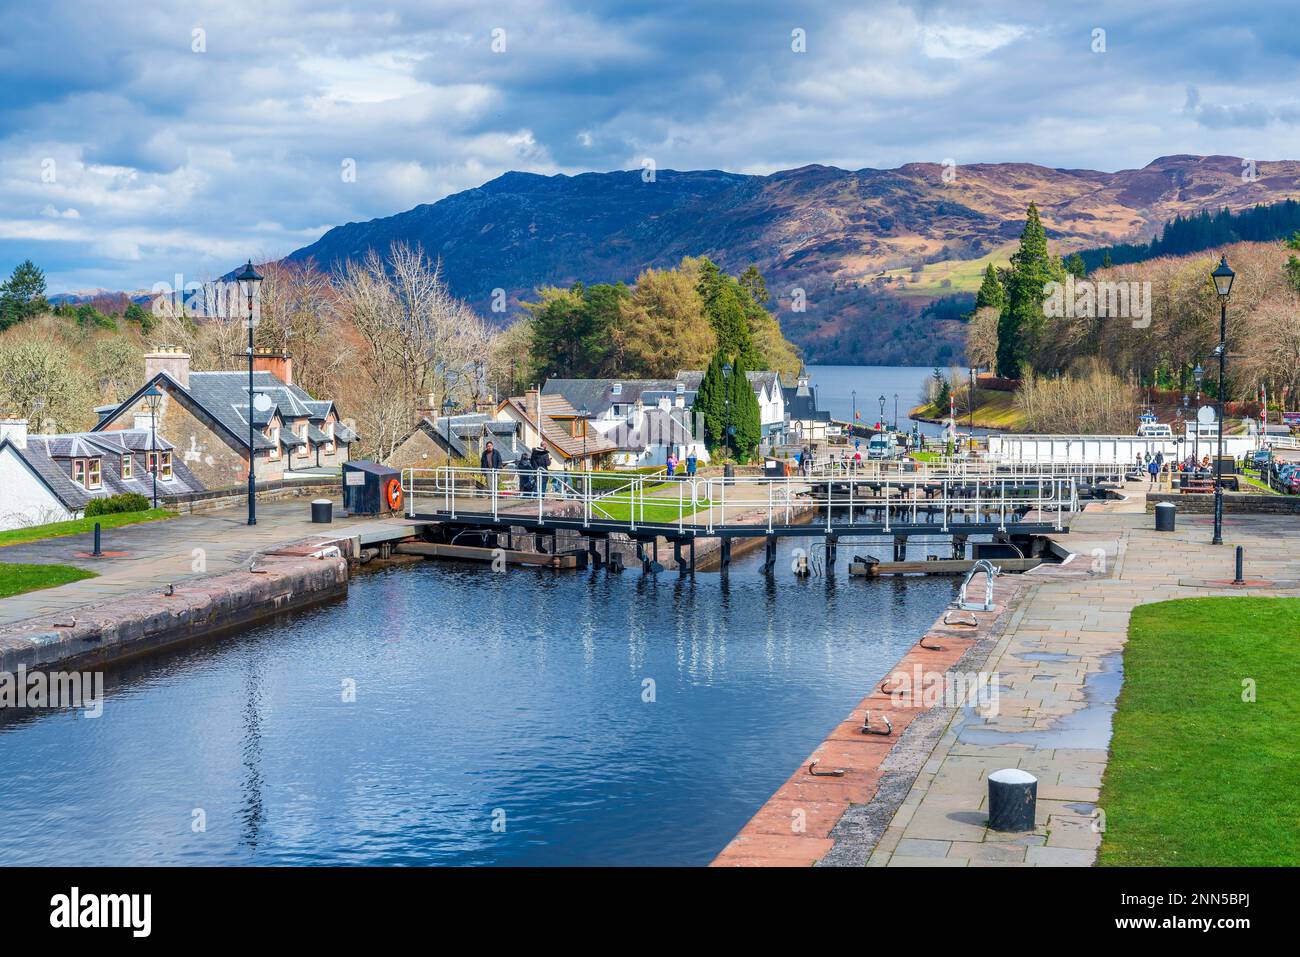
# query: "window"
128,467
94,473
79,471
273,435
616,389
165,470
329,431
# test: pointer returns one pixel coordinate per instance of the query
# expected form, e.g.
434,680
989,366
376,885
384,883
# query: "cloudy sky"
140,140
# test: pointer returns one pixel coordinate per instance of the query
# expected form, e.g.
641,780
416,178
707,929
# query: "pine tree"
1076,267
1022,326
729,323
22,295
991,292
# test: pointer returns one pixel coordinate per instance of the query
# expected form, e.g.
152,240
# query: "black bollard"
1165,512
1013,795
1241,560
98,552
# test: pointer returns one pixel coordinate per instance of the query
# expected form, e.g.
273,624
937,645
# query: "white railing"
703,505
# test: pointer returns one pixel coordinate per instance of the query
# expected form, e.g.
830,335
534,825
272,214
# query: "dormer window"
128,466
79,472
94,473
616,389
161,462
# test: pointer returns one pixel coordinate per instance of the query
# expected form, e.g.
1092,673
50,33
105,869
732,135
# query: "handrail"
995,499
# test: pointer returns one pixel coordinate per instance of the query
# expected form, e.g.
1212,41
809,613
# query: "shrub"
111,504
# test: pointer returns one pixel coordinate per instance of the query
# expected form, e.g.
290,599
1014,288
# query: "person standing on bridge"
490,459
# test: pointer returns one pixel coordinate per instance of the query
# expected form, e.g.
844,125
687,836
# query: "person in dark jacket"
490,459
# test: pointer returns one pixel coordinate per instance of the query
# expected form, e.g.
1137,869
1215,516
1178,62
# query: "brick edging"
844,817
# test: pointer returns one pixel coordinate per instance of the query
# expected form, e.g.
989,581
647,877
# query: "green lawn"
1197,776
662,504
16,579
993,410
79,526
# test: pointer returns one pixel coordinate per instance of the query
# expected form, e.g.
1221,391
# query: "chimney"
15,430
279,364
169,359
427,407
533,407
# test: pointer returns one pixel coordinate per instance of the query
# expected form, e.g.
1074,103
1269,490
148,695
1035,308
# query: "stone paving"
162,552
1058,667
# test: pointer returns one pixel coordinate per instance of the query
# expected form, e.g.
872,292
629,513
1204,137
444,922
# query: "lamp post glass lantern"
250,280
1223,276
447,409
153,398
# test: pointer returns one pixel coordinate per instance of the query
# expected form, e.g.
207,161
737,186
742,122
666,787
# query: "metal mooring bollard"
1241,561
1013,796
1165,512
98,551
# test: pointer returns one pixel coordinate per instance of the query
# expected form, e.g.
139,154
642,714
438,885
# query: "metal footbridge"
880,500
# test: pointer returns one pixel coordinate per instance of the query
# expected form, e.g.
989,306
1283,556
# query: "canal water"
446,714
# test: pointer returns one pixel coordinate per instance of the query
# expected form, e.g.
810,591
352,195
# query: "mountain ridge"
858,243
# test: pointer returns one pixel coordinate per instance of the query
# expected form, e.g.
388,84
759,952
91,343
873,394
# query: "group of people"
1153,465
690,463
533,467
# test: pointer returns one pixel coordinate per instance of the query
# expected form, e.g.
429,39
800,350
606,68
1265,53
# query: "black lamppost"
895,411
447,408
854,393
1199,375
153,398
250,280
1223,277
882,413
726,392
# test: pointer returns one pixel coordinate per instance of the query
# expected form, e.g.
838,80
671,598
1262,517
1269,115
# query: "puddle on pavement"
1088,728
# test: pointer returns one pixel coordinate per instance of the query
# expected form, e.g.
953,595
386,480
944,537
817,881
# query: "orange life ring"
394,494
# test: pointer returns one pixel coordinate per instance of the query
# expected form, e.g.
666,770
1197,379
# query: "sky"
144,140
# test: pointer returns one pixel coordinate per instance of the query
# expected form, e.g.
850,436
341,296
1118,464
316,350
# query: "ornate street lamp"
447,409
249,282
153,398
1199,375
726,393
1223,277
882,413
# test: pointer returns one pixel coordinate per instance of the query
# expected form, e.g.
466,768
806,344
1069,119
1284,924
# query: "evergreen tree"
711,402
22,295
1076,267
142,317
729,322
1106,261
752,280
991,292
1022,326
746,416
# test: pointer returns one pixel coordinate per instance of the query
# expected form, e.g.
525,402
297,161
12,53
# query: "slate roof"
801,405
597,395
470,426
766,379
50,457
224,396
658,427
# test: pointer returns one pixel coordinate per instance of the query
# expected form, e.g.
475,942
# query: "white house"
646,420
50,478
767,389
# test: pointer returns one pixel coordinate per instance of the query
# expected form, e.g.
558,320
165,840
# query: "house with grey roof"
646,419
767,389
805,422
51,478
207,415
438,438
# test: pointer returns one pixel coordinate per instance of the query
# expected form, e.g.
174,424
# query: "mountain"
885,258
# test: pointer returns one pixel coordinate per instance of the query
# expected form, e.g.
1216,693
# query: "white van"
1155,430
881,446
